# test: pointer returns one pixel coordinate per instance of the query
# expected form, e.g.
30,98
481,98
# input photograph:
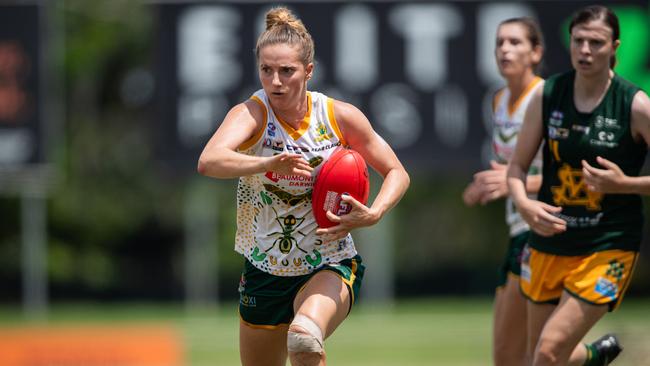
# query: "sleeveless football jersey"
507,123
595,221
276,229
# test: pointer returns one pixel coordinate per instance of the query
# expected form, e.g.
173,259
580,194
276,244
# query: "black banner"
21,137
424,73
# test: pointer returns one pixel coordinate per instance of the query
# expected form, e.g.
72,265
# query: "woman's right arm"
220,158
537,214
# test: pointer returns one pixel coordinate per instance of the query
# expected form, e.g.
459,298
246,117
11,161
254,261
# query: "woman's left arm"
361,137
611,179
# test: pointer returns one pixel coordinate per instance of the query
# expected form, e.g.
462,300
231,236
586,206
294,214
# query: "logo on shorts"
248,301
245,300
606,288
242,284
615,269
525,264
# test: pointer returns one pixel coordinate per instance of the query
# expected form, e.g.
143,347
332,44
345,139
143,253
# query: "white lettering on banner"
196,116
426,29
451,121
208,43
395,108
357,53
210,67
207,68
16,146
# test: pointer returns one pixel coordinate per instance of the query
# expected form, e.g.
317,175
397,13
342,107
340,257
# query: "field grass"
410,333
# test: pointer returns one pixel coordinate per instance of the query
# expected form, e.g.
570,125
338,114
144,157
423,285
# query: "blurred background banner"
423,72
143,85
106,105
21,126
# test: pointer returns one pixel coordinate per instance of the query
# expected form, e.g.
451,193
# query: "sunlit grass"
424,332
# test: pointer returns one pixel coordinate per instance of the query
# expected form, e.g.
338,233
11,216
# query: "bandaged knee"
309,341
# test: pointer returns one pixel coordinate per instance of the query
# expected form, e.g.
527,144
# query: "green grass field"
425,332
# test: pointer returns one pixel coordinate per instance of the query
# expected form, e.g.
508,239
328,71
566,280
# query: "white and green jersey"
508,119
276,229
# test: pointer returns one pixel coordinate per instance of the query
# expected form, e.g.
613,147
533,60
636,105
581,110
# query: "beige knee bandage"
312,341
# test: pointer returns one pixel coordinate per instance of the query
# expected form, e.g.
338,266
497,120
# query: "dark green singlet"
595,221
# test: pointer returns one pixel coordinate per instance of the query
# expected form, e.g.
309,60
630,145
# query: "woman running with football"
518,50
299,281
587,222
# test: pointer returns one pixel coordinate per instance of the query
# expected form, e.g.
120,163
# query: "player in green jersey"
587,221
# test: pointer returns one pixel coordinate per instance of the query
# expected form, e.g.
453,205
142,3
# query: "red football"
344,172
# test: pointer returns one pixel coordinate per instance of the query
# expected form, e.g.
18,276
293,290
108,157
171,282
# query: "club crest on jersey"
322,132
573,190
556,118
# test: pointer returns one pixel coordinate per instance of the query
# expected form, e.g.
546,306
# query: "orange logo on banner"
13,69
90,346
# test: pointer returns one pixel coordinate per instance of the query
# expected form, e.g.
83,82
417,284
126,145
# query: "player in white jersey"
299,281
519,48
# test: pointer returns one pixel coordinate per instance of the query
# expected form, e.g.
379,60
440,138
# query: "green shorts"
512,260
266,301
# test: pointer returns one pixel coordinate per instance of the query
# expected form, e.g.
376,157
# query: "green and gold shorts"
266,301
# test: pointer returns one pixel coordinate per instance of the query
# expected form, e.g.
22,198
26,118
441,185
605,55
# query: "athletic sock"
593,358
603,351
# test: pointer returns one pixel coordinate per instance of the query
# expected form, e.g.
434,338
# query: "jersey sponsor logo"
605,139
273,144
556,118
326,147
297,149
573,190
557,133
606,123
275,177
321,131
581,128
270,129
581,221
606,288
